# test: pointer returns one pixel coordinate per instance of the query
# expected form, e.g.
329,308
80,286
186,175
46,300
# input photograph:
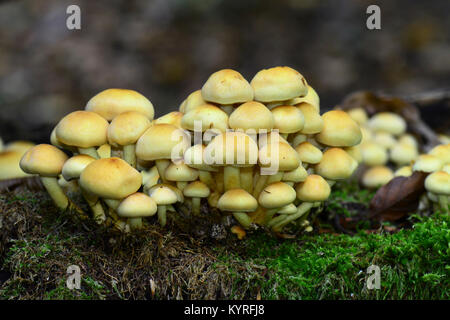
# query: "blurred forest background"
166,49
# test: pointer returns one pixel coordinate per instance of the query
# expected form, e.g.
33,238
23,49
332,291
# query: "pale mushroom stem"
301,210
269,215
247,179
219,180
129,154
181,185
206,178
96,207
162,165
231,178
162,216
90,152
112,203
135,223
55,192
260,184
243,219
196,206
443,203
274,178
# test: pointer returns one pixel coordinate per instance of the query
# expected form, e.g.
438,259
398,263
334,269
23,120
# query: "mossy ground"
37,244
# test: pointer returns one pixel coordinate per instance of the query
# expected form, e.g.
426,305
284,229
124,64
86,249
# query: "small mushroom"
377,176
274,197
278,84
135,207
112,102
438,183
239,202
339,130
84,130
387,122
125,130
196,190
163,196
47,161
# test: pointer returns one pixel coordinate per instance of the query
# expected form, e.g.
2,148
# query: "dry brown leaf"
398,198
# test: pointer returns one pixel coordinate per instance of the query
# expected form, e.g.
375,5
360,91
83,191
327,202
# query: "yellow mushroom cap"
427,163
207,116
232,148
336,164
314,188
279,154
359,115
227,87
355,152
127,128
446,168
313,120
308,153
137,205
237,200
73,167
339,130
408,139
288,209
196,189
180,172
387,122
403,154
104,151
251,115
441,151
311,97
193,101
404,171
278,84
288,119
438,182
377,176
159,141
373,154
193,157
9,165
173,118
296,175
178,193
111,178
44,160
163,194
82,129
19,146
276,195
384,139
112,102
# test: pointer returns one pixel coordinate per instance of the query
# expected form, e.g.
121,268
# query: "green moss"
414,264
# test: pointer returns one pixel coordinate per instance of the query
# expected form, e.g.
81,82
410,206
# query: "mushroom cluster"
258,151
388,150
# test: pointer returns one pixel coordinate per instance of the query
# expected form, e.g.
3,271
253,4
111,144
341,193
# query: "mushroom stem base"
243,219
55,192
90,152
162,215
301,210
196,206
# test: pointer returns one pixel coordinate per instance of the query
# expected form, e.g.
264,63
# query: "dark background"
166,49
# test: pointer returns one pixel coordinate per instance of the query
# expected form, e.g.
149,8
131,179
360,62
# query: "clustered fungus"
258,151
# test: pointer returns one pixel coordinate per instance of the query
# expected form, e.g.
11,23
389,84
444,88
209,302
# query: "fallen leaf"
398,198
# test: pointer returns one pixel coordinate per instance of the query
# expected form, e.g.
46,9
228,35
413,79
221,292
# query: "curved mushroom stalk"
96,206
247,179
162,215
90,152
129,154
443,203
55,192
243,219
231,177
278,223
162,165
